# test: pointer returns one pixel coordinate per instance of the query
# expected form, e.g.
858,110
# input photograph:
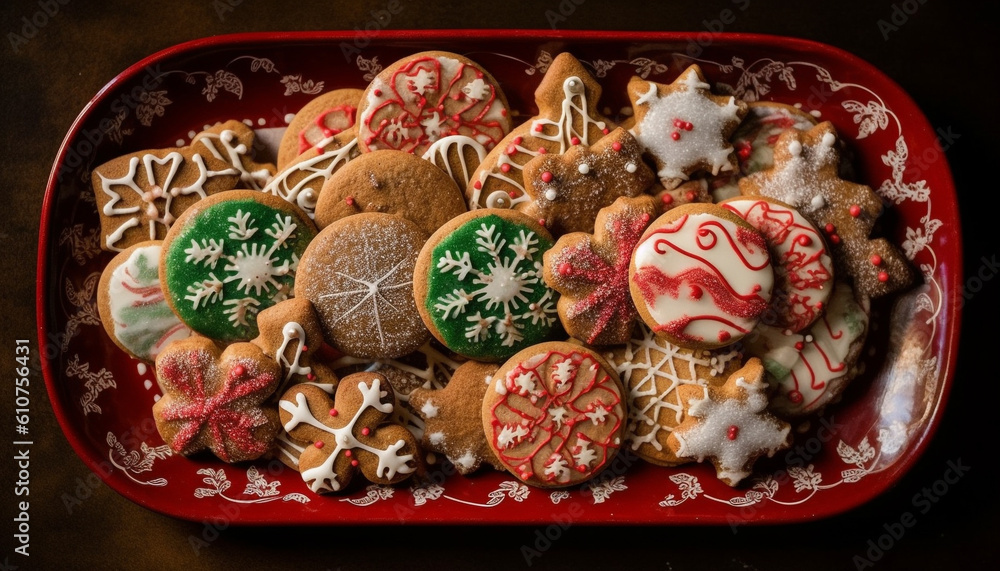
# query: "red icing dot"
819,305
327,133
883,277
733,432
456,118
645,217
311,376
795,397
724,336
678,123
804,240
546,176
305,349
512,193
538,128
478,185
745,149
876,260
517,140
378,93
675,136
503,112
541,222
689,196
830,228
505,167
542,150
855,210
835,238
333,412
574,141
349,200
318,444
756,288
581,468
366,431
347,453
238,370
511,149
799,346
354,462
696,292
616,146
565,269
688,126
667,199
605,130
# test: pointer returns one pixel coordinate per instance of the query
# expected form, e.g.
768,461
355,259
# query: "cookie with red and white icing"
213,399
555,414
358,274
805,176
803,269
729,425
348,434
566,191
291,334
652,369
427,96
132,306
392,182
567,100
810,369
683,126
318,122
701,276
590,271
453,416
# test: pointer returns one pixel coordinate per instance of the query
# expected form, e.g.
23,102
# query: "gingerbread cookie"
290,333
231,257
591,273
392,182
212,400
479,286
554,414
319,121
567,116
684,127
302,179
729,425
233,143
427,96
140,195
692,191
803,270
131,303
566,191
701,276
651,369
358,274
805,177
348,434
453,416
811,368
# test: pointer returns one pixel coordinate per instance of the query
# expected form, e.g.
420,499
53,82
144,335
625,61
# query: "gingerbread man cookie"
805,176
684,126
453,417
591,273
567,190
348,434
212,400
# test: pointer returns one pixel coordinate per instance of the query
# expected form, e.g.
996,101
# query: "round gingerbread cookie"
803,270
319,120
555,414
701,276
358,274
427,96
392,182
131,303
479,288
230,257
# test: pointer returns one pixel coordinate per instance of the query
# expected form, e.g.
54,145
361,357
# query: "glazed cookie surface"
132,305
701,276
391,182
358,274
230,258
479,285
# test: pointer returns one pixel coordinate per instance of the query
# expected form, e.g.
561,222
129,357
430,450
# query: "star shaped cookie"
453,417
684,127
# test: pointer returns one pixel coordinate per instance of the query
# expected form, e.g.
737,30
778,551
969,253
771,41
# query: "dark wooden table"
59,53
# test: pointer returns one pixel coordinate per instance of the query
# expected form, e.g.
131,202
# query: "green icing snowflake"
232,261
485,290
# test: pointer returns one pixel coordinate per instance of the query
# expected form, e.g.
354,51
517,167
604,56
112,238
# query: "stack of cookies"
420,279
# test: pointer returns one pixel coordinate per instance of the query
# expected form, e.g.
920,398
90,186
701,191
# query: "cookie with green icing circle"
230,257
479,287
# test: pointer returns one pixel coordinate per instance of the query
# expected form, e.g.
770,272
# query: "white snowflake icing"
476,89
511,435
371,286
504,285
421,82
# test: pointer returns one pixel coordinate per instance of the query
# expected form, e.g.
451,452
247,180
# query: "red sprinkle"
605,130
477,185
565,269
238,370
804,240
795,397
667,199
855,210
538,128
542,150
511,149
819,305
876,260
688,125
318,444
581,468
724,336
333,412
505,167
799,345
546,176
378,93
733,432
518,140
616,146
883,277
512,193
756,288
354,462
541,222
689,196
349,200
835,238
675,136
830,228
366,431
696,292
347,453
574,141
311,376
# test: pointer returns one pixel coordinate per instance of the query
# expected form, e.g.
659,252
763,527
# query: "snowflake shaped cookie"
479,284
805,176
453,417
230,259
348,434
212,400
683,126
591,273
729,425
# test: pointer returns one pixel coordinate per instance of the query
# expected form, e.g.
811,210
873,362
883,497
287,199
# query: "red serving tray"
860,447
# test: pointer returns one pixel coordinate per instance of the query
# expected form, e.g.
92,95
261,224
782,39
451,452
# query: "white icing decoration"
803,177
305,192
441,151
322,477
292,332
234,155
429,410
574,103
